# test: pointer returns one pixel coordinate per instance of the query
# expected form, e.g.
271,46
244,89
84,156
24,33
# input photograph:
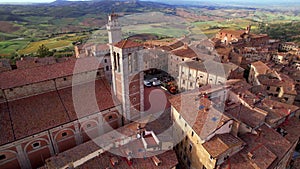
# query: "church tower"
127,74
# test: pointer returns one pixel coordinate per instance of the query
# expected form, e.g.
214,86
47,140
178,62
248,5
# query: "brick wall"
29,90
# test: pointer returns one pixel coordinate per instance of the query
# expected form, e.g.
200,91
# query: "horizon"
193,1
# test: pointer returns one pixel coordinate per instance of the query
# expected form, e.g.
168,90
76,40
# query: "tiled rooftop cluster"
108,152
272,125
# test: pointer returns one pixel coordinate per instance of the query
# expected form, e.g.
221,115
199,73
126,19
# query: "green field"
9,47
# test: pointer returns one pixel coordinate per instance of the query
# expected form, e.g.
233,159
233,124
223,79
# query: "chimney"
185,46
248,30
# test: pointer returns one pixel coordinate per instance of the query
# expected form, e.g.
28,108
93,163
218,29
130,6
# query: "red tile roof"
136,146
199,114
245,115
37,113
40,115
20,77
292,127
6,130
87,99
124,44
267,149
237,33
219,144
186,52
260,67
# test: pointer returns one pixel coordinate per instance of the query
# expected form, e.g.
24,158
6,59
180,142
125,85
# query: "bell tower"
114,29
127,74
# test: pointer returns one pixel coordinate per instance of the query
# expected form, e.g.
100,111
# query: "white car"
147,83
156,83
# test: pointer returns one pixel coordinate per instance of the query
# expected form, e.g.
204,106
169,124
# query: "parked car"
156,83
147,83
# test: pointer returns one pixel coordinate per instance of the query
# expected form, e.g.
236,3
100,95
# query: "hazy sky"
244,1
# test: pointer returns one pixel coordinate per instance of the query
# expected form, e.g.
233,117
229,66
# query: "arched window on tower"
130,62
115,61
118,62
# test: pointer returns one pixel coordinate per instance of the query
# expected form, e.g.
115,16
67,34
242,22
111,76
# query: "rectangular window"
183,81
191,84
190,148
192,133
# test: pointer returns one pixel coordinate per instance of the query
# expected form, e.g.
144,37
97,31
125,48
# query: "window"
65,79
192,133
2,157
64,134
186,138
201,77
185,125
105,60
182,59
110,117
36,145
98,73
190,148
191,84
107,68
183,81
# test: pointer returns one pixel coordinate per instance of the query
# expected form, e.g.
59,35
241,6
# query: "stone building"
45,112
194,74
230,127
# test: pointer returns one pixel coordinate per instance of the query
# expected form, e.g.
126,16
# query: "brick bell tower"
127,74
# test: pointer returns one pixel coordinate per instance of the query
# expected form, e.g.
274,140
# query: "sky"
243,1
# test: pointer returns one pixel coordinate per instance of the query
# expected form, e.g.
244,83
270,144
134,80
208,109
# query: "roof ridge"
124,43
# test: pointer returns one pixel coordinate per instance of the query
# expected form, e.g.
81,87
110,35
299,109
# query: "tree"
43,51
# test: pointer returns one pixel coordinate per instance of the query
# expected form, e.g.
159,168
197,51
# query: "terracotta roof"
85,149
273,141
124,44
41,116
267,149
198,113
6,130
87,99
260,67
101,47
168,159
21,77
292,127
186,52
237,33
221,143
34,114
224,51
276,110
245,115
